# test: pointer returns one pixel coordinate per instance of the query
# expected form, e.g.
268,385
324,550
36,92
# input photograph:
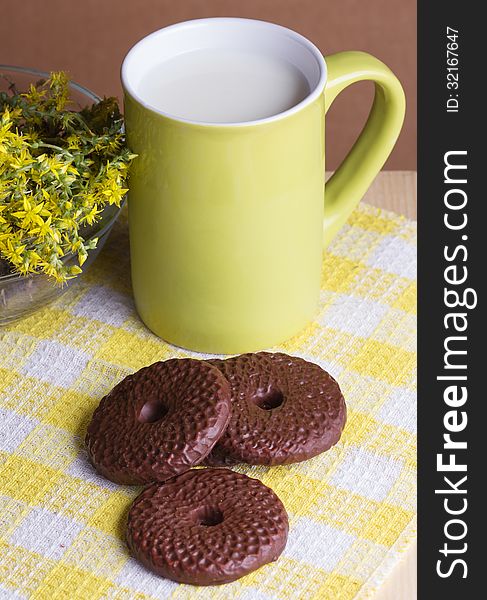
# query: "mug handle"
353,177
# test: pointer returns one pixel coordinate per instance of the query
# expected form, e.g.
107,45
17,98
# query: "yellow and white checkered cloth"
352,509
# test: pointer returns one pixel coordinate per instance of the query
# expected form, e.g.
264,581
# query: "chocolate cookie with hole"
207,527
159,422
284,410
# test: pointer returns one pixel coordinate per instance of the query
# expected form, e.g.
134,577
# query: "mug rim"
309,99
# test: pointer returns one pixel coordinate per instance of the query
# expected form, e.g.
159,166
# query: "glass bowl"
21,295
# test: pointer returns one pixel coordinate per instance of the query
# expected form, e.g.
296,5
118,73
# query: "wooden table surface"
396,190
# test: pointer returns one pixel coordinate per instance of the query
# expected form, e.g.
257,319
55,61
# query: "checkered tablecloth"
352,509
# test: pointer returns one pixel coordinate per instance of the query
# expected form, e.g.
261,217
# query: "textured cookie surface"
284,410
159,422
219,458
207,526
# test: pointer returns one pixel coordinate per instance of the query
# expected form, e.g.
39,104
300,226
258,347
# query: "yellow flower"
82,256
55,165
30,214
23,159
43,229
58,82
73,142
35,94
91,216
13,252
6,120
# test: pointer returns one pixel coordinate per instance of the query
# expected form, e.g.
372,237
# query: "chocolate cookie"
284,410
218,458
159,422
207,526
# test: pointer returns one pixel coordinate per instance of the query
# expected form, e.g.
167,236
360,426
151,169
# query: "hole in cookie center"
268,399
152,411
208,516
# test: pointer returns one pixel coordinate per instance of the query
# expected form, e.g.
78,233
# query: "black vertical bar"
451,120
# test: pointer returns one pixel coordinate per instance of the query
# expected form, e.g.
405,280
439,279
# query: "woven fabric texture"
351,510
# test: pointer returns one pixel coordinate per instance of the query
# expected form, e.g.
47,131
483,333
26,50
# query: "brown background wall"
89,38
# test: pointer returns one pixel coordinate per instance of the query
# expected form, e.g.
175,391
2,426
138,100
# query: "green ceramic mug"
228,220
